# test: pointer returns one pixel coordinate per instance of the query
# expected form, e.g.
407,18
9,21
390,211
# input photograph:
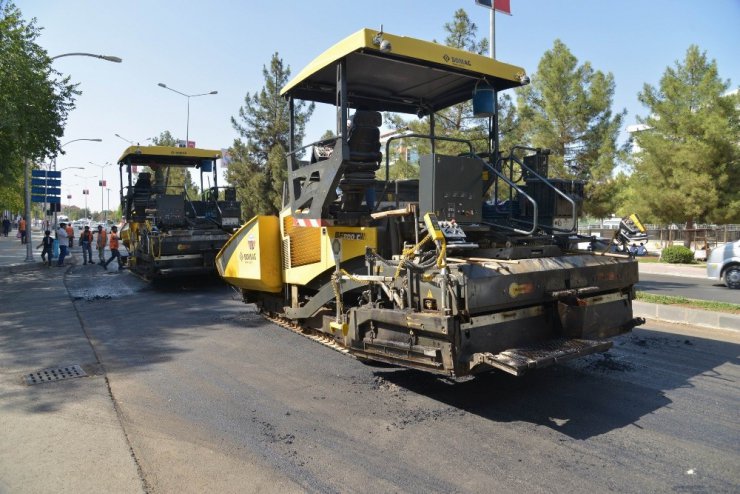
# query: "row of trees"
687,168
35,101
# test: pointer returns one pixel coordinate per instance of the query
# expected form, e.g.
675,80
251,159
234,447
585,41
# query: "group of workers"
65,236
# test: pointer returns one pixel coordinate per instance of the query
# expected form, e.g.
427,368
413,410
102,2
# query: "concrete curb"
684,315
25,267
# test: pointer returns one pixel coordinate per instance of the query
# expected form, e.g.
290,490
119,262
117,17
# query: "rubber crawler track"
309,333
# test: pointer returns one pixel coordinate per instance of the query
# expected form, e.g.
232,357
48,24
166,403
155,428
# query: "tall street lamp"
109,58
27,190
29,247
86,192
188,96
131,143
102,186
94,139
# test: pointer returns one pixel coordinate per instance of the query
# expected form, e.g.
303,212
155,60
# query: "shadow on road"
588,397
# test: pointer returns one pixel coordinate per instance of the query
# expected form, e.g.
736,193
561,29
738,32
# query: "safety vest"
113,241
102,238
22,225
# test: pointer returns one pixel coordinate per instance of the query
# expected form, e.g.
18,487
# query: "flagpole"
493,121
491,32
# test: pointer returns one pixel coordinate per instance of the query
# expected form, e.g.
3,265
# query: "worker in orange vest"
100,243
22,230
71,235
113,244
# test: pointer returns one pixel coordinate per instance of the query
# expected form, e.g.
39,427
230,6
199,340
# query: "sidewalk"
62,436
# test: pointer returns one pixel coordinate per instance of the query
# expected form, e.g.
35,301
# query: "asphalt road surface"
215,399
696,288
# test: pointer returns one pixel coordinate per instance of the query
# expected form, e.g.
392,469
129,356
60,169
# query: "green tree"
457,121
688,166
567,109
34,99
258,166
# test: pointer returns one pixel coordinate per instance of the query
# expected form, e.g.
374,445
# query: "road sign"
46,182
46,186
49,191
47,199
46,173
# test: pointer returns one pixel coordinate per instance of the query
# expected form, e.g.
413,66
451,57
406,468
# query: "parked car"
723,264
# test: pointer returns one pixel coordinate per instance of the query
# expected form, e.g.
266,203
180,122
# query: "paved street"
689,287
190,391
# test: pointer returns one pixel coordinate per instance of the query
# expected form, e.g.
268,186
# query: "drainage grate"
54,374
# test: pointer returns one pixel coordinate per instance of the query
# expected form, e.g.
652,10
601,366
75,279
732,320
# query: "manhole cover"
54,374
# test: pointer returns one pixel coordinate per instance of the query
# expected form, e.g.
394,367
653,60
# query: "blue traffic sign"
49,191
46,173
46,182
47,199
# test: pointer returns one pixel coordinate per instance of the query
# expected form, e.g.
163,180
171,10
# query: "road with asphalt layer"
695,288
215,399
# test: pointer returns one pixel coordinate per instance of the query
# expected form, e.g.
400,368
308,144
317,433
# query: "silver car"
723,263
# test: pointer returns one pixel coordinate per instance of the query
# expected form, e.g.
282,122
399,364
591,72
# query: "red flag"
502,6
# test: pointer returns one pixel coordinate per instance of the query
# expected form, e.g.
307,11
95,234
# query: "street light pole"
86,192
102,185
29,247
95,139
26,182
109,58
188,96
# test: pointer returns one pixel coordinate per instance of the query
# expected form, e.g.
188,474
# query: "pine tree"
567,109
176,177
688,166
259,164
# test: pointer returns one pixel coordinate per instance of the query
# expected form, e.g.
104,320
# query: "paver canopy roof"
167,155
409,75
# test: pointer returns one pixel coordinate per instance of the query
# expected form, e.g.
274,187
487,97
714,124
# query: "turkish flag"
502,6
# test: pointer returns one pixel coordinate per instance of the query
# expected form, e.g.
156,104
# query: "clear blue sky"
198,47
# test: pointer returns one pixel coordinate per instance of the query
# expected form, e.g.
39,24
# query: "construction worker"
86,239
100,243
71,235
22,230
113,244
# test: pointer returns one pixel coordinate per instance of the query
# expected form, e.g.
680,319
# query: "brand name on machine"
247,256
349,235
456,60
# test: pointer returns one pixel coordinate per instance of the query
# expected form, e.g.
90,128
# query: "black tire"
732,277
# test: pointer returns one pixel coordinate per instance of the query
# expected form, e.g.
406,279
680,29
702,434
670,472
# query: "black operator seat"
142,191
363,137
